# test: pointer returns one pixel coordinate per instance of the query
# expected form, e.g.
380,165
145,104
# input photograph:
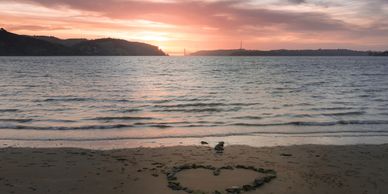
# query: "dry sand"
303,169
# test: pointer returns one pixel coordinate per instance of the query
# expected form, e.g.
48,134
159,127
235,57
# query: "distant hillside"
108,46
64,42
215,53
13,44
20,45
385,53
319,52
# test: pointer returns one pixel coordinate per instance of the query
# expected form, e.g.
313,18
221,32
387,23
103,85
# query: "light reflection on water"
111,98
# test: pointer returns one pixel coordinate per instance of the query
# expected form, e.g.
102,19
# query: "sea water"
109,102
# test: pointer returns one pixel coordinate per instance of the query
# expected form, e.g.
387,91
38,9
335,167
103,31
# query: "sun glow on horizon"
201,25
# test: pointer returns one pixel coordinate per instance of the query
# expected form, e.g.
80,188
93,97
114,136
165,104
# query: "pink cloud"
223,21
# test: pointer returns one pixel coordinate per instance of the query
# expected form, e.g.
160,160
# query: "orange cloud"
195,25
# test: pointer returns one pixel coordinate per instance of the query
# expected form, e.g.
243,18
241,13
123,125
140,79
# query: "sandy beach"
299,169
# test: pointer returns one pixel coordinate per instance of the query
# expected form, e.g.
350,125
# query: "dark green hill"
20,45
109,46
13,44
64,42
384,53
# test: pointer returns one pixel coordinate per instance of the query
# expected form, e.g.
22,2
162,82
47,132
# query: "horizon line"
188,52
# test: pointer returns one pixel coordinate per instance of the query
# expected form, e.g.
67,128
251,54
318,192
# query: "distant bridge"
184,52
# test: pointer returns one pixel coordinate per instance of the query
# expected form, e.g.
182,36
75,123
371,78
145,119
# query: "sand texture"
307,169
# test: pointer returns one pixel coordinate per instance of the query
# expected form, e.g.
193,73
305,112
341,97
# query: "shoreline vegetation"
22,45
302,169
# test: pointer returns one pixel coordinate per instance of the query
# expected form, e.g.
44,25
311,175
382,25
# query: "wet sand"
302,169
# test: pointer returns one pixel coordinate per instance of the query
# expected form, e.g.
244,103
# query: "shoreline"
257,141
300,169
153,137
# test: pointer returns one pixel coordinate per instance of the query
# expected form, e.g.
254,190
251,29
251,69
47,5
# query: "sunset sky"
208,24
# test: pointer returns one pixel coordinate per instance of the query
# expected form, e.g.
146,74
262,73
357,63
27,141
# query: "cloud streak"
227,20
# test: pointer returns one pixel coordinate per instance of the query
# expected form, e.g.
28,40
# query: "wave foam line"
371,133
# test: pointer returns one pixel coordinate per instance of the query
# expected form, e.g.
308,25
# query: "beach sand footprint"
209,179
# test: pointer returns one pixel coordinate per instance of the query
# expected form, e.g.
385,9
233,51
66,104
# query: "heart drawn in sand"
175,183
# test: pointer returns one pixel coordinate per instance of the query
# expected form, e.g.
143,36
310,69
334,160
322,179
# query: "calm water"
94,99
